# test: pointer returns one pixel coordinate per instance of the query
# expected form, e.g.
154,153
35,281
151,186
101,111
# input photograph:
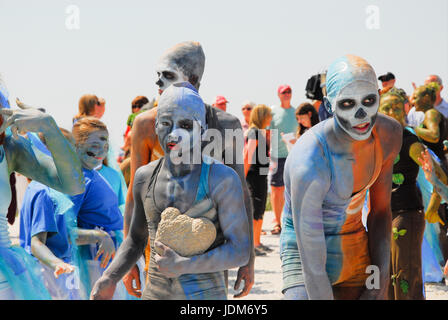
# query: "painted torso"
187,286
345,236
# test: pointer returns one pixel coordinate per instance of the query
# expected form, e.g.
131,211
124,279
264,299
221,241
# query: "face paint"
393,107
180,118
168,73
356,108
183,62
352,95
93,150
178,131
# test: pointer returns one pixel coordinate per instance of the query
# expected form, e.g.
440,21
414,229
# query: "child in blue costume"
20,277
98,207
49,232
116,181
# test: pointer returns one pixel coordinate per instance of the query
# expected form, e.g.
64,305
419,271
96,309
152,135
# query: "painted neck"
181,169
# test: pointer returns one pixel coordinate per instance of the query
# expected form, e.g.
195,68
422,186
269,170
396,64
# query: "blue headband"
344,71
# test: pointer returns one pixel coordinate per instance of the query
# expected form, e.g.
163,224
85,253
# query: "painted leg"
296,293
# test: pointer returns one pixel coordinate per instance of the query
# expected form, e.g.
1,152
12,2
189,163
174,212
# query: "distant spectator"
283,120
136,107
440,104
89,105
246,111
306,116
256,159
387,81
221,103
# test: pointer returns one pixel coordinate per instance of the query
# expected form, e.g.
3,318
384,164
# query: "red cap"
283,88
220,99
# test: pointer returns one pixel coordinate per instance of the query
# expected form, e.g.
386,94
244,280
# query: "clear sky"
251,47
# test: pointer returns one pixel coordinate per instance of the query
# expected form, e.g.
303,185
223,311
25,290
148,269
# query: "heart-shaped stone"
187,236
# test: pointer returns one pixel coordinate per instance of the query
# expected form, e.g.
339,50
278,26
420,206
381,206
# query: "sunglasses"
286,92
248,109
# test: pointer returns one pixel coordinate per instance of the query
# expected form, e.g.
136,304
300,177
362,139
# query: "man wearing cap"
221,103
283,121
440,104
387,81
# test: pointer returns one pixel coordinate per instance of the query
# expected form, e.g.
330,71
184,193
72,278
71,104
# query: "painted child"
46,233
189,186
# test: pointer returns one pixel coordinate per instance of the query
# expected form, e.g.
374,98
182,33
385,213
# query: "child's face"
93,150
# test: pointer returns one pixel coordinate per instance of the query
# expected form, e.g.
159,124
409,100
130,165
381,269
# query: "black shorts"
258,188
276,168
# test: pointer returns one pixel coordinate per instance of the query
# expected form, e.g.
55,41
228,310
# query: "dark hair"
139,102
304,108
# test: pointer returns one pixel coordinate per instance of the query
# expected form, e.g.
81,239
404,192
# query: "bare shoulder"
390,133
144,173
307,161
145,120
223,176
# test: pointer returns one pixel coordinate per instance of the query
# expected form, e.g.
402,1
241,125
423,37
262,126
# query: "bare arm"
414,152
379,220
142,142
308,189
431,133
62,171
47,257
130,250
235,251
436,178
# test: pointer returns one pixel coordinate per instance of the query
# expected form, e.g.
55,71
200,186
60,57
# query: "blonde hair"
85,126
259,115
86,106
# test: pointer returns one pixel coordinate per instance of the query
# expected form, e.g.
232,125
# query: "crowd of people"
355,180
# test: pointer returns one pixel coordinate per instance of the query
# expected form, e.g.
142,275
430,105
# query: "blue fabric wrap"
339,74
23,274
4,103
431,253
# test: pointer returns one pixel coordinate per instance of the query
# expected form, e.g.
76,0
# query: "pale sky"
251,47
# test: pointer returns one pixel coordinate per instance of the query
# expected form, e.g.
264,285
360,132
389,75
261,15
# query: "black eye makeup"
169,75
346,104
186,124
369,100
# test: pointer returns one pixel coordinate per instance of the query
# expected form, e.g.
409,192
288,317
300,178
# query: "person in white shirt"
441,105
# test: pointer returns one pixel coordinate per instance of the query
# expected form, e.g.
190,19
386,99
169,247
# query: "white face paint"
93,151
167,74
356,107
